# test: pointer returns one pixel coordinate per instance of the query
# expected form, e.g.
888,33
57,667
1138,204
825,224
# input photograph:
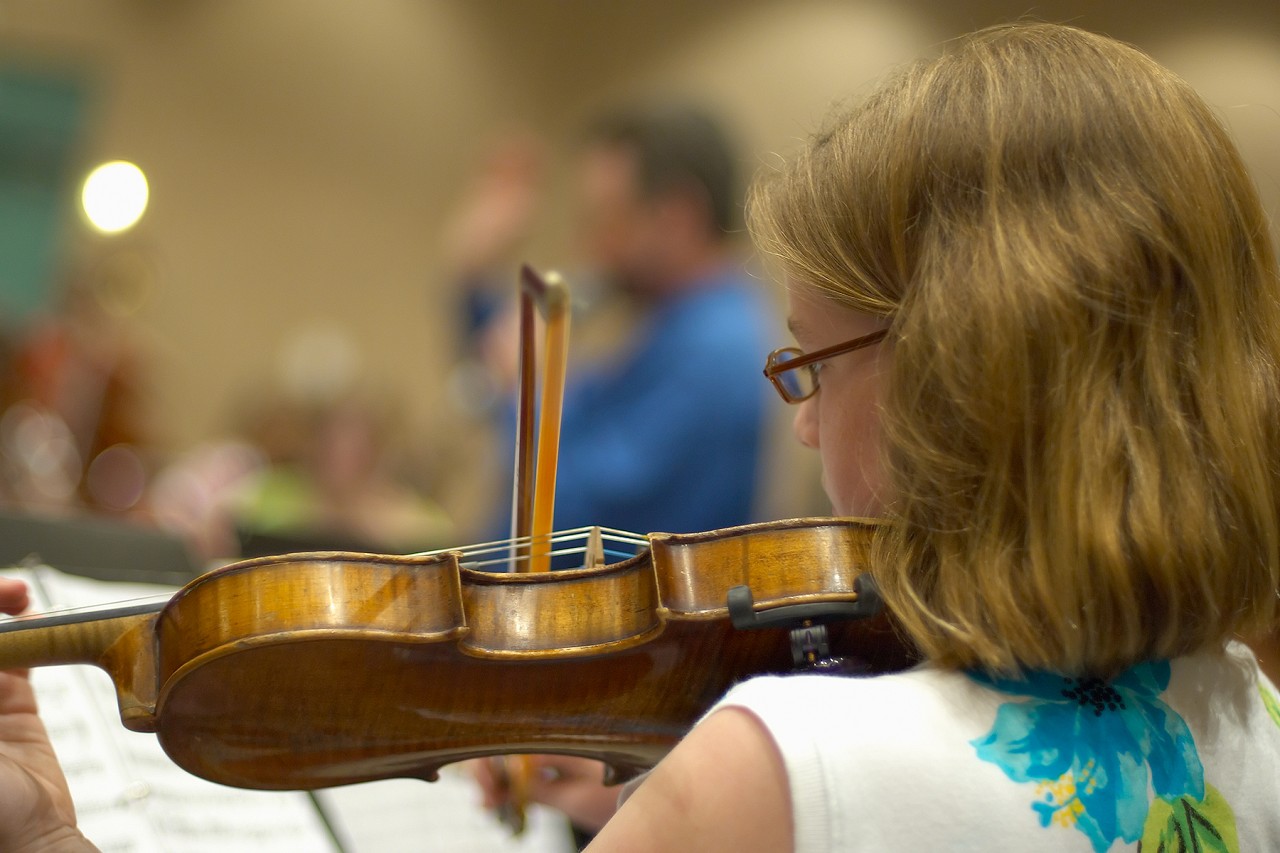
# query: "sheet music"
411,816
131,798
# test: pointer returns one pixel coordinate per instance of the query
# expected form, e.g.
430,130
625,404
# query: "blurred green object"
41,120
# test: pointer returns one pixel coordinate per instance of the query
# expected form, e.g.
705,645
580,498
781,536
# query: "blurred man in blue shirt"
665,432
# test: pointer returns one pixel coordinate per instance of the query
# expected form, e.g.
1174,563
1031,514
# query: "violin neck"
97,638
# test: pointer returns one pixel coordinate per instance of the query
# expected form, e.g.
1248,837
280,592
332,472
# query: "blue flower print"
1096,749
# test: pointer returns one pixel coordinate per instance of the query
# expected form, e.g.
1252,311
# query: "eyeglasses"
783,366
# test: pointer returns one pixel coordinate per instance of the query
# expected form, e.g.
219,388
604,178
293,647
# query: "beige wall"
303,154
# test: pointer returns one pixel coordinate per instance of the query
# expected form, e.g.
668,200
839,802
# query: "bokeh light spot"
115,196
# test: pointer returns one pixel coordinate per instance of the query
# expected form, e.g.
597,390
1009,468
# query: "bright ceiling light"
114,196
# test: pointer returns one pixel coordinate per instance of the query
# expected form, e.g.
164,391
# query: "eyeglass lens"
798,383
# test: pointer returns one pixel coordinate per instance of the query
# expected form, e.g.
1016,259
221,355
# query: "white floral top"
1169,756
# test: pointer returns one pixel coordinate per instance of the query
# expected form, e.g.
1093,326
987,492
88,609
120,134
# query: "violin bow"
534,492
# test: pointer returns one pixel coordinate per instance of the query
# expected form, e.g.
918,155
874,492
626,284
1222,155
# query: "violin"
312,670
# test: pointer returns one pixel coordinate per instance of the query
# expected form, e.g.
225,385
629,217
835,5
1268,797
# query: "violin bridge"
595,548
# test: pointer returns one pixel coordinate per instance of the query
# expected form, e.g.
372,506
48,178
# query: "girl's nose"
805,423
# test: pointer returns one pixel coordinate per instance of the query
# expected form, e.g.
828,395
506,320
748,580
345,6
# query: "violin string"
497,552
83,609
500,551
555,536
610,553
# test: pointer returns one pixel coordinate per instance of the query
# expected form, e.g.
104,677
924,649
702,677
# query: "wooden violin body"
312,670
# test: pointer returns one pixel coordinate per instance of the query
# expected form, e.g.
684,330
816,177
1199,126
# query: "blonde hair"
1082,427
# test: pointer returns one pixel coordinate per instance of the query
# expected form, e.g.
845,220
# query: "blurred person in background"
73,430
301,475
663,431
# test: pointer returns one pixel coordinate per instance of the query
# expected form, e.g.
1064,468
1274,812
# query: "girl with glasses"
1041,314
